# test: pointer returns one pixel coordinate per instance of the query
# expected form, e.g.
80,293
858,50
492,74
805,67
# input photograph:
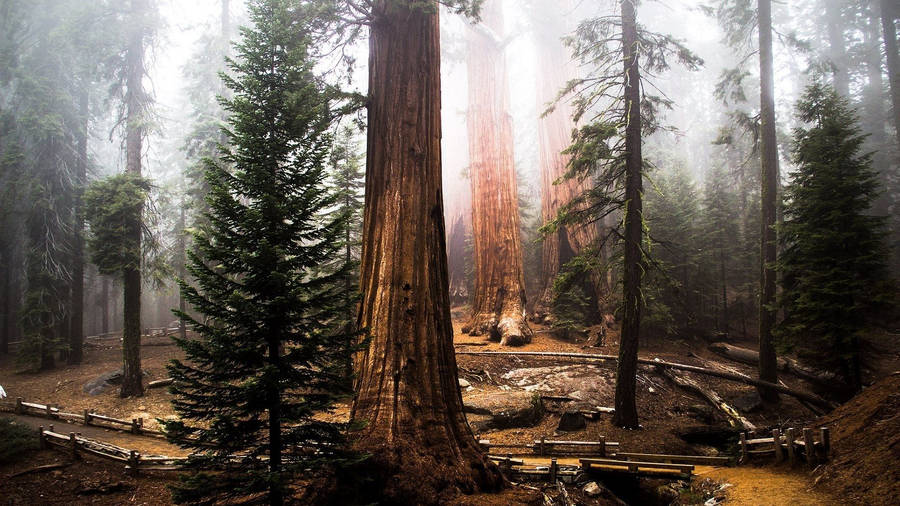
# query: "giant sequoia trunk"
134,134
422,450
626,372
554,131
498,306
768,366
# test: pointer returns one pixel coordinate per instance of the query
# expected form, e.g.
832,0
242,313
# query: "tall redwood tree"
422,450
498,305
555,134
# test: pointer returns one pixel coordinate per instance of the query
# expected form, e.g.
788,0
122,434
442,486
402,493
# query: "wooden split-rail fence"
806,445
117,336
75,444
86,417
546,446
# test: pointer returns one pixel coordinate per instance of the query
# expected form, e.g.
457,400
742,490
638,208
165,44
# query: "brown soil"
65,385
773,486
91,481
664,411
865,434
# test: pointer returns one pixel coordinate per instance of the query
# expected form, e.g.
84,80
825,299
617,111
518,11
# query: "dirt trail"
143,444
773,486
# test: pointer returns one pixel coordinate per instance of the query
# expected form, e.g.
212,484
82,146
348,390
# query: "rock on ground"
501,410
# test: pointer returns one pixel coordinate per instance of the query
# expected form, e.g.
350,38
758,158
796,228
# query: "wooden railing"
791,445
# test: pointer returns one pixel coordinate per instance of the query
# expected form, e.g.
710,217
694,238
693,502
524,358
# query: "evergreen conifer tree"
272,351
834,256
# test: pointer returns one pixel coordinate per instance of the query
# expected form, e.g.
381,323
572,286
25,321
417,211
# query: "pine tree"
273,351
720,236
834,258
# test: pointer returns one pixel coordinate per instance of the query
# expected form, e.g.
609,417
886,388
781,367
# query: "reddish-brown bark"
498,305
555,131
422,450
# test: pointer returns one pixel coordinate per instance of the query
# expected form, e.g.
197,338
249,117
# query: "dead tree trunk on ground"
590,357
735,419
785,364
498,306
421,448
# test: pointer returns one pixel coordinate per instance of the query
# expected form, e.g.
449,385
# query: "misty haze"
468,252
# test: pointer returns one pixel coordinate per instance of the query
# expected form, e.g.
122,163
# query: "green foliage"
274,344
573,302
110,207
15,439
833,266
671,212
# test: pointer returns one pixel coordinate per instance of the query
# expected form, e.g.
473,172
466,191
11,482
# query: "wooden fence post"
542,445
825,436
134,426
779,451
19,407
554,470
49,412
134,459
744,454
809,443
792,452
87,417
74,442
603,446
41,440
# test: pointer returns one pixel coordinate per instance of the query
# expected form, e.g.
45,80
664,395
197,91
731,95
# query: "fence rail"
87,418
805,446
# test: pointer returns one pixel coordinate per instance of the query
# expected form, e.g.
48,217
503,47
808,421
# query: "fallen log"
735,419
715,365
160,383
808,397
38,469
785,364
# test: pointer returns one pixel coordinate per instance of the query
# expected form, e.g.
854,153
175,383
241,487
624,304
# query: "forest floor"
672,420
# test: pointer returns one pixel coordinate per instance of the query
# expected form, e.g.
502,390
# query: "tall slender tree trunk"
76,333
104,304
626,372
134,133
555,134
422,450
837,52
5,304
889,13
276,495
876,119
456,257
498,306
768,369
182,271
